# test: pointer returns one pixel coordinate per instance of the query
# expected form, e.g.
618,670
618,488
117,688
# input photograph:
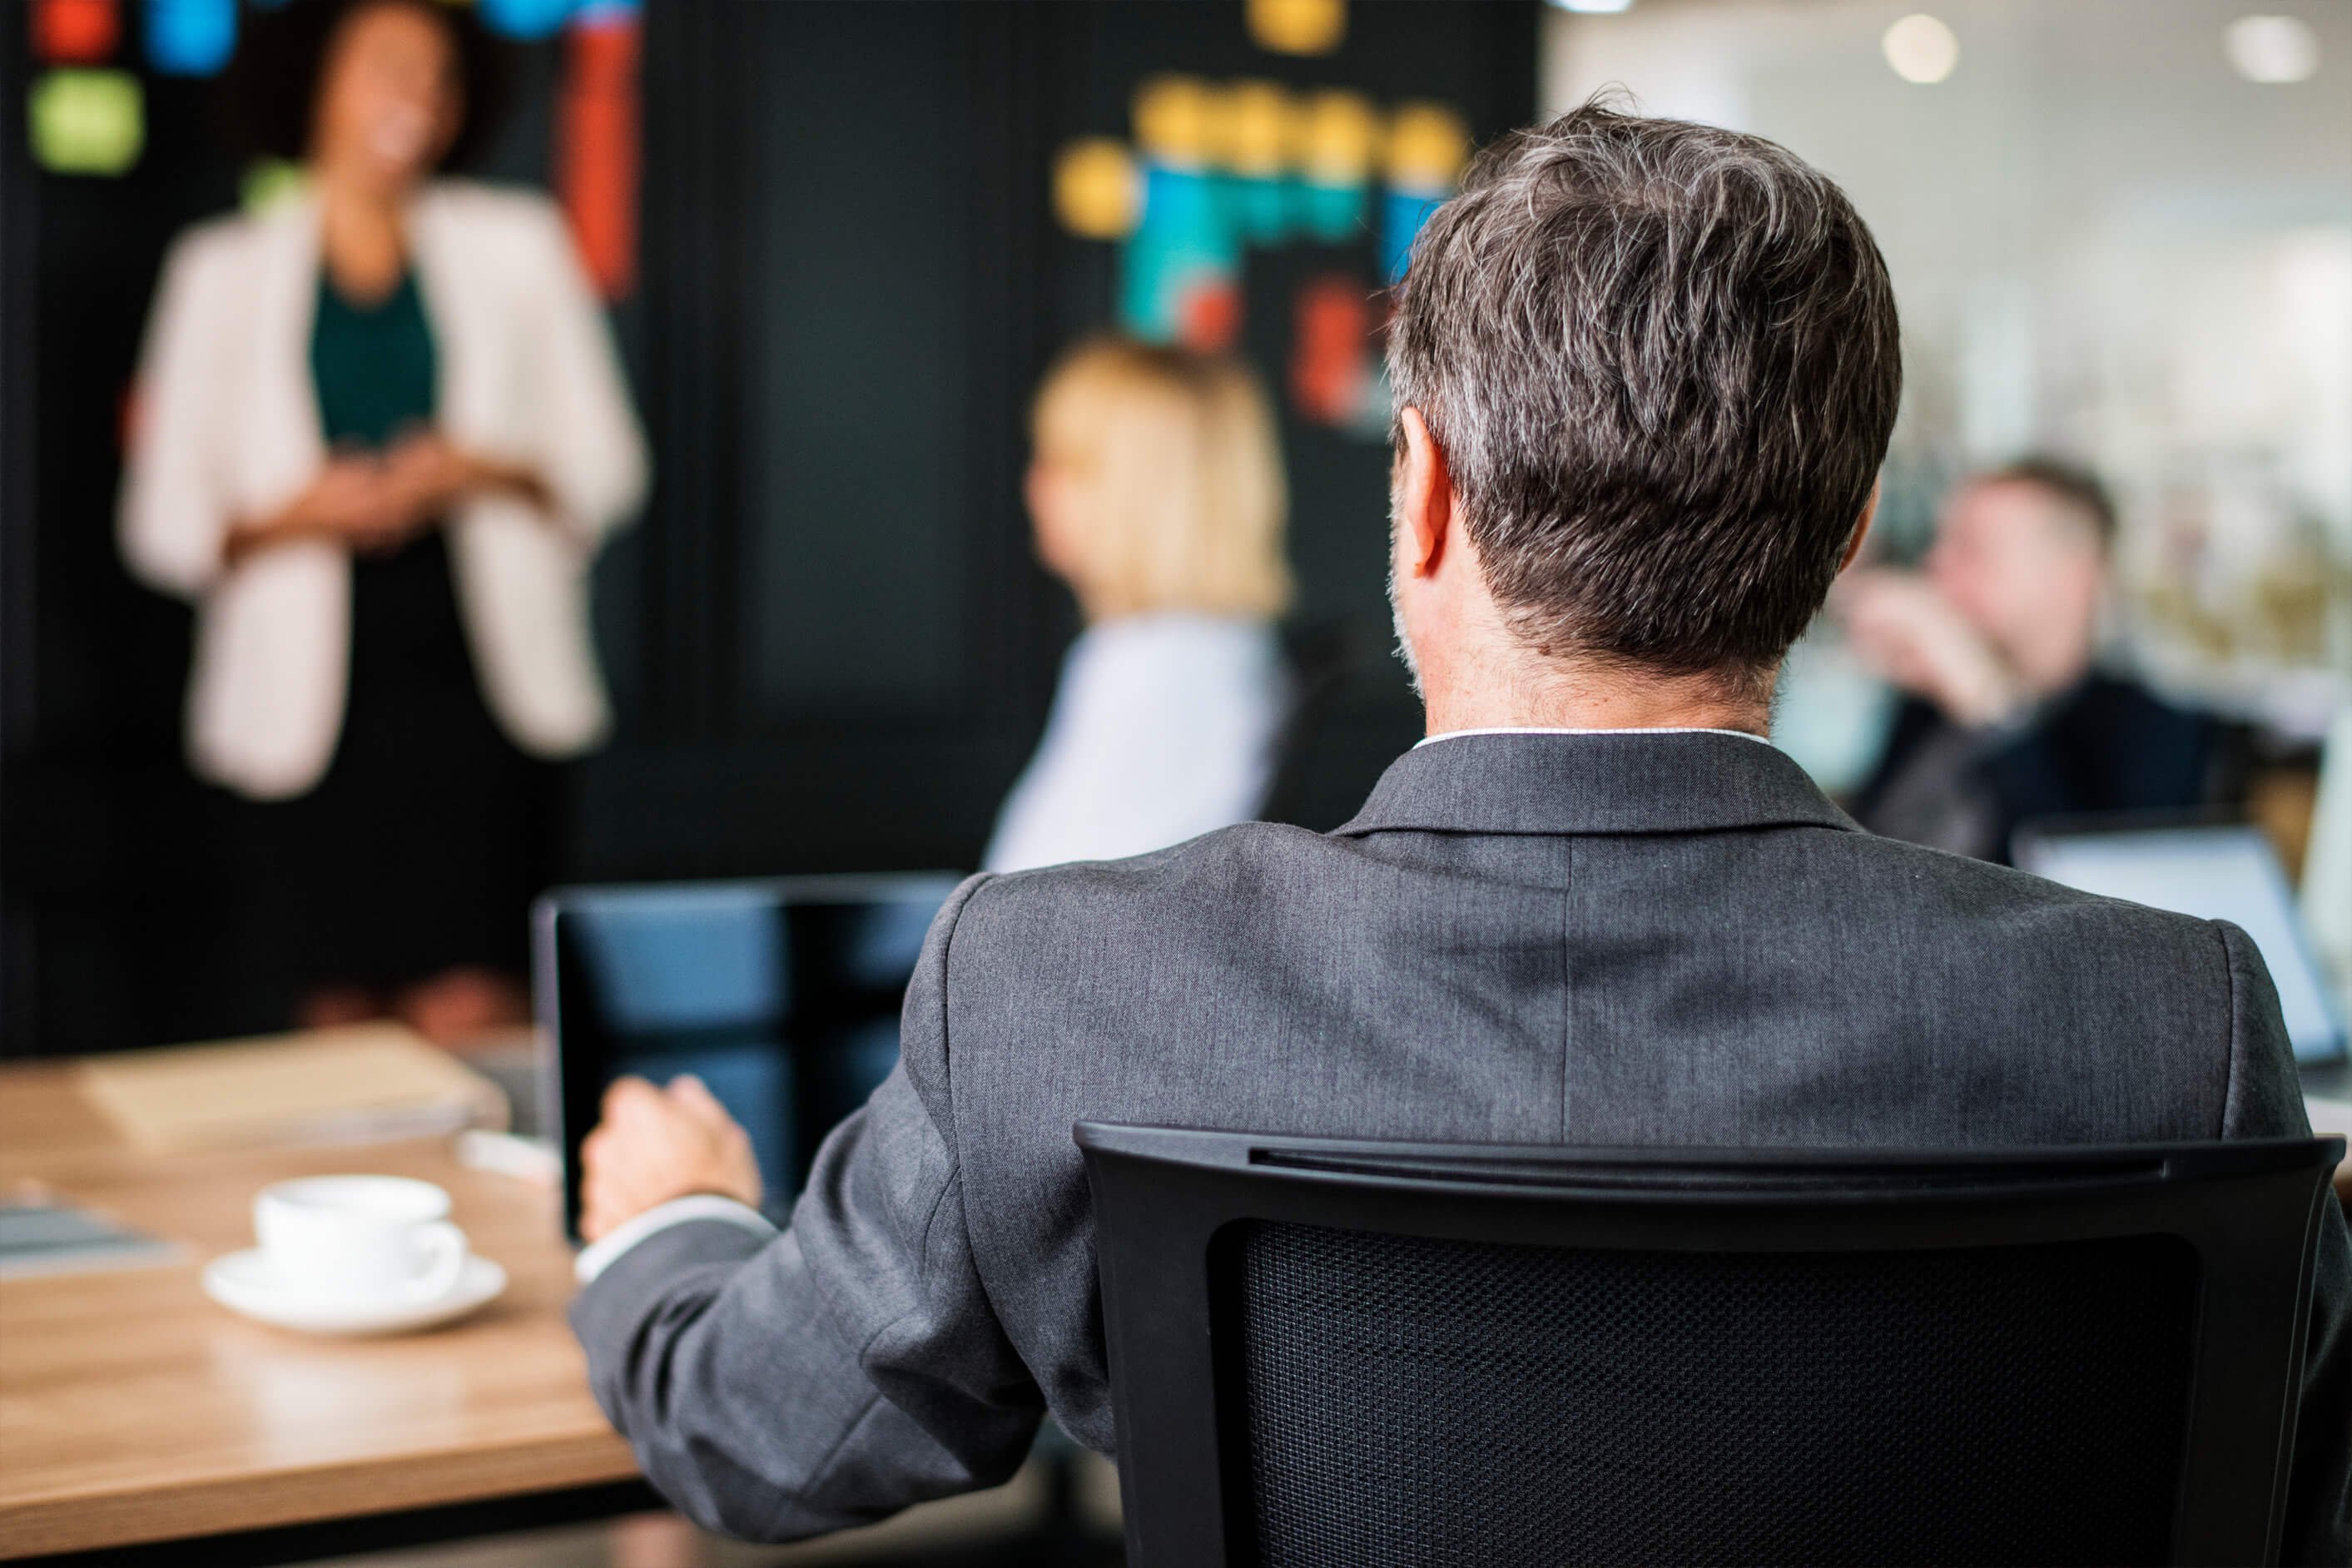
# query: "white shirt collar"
1540,729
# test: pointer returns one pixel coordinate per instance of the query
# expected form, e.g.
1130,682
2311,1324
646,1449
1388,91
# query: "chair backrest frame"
1163,1195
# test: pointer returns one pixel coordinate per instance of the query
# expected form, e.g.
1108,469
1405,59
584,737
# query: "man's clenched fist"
656,1144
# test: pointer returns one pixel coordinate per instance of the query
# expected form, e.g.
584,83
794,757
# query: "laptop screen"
2227,873
783,996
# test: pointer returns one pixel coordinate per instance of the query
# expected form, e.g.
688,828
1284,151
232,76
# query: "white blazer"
227,426
1164,728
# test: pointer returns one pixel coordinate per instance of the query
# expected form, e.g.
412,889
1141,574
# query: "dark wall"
858,284
97,860
828,644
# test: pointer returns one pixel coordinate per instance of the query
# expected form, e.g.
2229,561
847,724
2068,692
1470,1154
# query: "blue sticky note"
526,18
1403,212
189,38
1186,242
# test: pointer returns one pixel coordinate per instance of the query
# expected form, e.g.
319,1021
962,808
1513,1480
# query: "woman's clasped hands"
374,502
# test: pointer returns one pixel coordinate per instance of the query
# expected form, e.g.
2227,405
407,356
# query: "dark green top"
427,805
373,366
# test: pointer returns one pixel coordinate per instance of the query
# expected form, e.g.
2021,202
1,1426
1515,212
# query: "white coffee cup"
352,1238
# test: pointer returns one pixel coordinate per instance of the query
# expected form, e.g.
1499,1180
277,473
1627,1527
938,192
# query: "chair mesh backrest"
1425,1402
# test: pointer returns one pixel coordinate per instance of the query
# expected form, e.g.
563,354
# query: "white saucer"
244,1282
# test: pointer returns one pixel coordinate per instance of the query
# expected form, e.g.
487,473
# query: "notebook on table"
356,1084
41,1235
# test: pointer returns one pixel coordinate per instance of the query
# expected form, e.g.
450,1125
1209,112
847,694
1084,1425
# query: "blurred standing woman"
381,431
1157,493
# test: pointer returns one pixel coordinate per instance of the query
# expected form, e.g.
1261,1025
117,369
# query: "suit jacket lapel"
288,445
443,279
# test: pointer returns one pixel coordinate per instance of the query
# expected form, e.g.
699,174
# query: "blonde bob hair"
1175,478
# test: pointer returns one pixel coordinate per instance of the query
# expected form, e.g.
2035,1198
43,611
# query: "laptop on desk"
2213,870
783,994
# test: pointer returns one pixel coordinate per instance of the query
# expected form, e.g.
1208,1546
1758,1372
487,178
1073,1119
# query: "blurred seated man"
1645,372
2006,717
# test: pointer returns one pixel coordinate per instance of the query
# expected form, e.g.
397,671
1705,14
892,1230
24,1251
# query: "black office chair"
1358,1354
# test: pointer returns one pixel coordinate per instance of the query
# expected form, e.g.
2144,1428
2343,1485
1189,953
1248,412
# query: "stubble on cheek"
1396,607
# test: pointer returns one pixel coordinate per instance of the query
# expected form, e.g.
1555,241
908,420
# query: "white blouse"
1164,728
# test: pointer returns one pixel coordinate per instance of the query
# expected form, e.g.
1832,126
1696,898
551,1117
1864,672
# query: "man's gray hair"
1661,362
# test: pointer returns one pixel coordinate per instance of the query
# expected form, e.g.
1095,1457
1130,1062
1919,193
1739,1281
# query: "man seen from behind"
1645,374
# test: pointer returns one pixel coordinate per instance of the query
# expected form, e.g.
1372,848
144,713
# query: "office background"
2120,229
829,644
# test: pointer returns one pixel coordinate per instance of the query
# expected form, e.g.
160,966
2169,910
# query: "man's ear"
1861,528
1425,499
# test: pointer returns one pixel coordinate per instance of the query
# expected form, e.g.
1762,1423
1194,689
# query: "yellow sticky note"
1098,193
1297,26
85,121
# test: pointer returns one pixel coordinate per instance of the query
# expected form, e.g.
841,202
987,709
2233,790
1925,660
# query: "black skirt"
421,848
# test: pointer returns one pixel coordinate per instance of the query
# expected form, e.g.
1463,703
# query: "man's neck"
1529,691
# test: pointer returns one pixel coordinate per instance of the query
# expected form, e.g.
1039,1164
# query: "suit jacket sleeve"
2265,1101
848,1367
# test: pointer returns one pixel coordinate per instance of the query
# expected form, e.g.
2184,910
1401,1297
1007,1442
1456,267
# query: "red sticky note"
75,32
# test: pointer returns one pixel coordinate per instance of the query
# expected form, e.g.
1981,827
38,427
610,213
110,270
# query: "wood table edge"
84,1520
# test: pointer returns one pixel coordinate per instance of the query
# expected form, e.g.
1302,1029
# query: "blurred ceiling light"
1921,48
2271,49
1594,7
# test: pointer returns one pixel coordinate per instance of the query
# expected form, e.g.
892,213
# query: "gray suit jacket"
1644,939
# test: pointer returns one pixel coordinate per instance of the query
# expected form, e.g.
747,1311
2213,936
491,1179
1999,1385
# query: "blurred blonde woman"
1157,494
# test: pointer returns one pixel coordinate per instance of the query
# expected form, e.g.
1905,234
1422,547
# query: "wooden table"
134,1409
